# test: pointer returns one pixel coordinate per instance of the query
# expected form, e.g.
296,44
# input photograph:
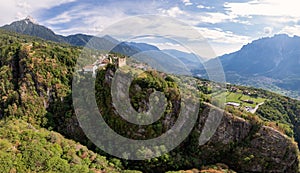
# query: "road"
256,107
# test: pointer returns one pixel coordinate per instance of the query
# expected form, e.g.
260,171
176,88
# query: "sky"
226,24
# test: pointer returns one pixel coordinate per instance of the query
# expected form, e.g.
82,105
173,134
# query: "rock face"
280,152
247,146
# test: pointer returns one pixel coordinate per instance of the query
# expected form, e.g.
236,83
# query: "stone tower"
121,61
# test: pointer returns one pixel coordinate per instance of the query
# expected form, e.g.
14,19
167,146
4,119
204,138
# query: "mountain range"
270,63
29,27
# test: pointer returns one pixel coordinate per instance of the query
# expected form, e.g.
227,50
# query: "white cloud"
278,21
187,2
223,42
47,4
204,7
291,30
214,18
265,8
276,15
173,12
23,5
90,22
61,18
18,9
91,19
217,35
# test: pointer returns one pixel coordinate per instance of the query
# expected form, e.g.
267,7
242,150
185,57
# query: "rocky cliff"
248,146
244,145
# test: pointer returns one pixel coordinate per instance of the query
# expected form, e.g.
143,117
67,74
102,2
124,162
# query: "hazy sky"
226,24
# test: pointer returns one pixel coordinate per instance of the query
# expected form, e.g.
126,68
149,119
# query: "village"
102,61
244,99
105,59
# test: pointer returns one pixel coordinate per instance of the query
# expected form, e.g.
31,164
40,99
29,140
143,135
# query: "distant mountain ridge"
191,60
29,27
277,57
271,63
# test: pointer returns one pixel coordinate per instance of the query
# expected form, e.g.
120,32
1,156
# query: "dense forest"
40,132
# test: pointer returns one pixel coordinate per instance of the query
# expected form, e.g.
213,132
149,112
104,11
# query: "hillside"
35,75
271,63
24,148
36,102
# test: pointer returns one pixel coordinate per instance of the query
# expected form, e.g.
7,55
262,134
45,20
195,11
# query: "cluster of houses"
245,92
102,61
233,104
237,105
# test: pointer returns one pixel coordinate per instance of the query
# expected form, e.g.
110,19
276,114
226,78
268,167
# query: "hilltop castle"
121,61
103,61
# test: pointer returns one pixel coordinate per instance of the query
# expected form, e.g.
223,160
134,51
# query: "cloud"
214,18
187,2
61,18
23,5
291,30
280,20
223,42
264,8
217,35
19,9
270,15
91,18
173,12
47,4
204,7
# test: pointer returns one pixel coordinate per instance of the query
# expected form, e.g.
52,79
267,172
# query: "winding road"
256,107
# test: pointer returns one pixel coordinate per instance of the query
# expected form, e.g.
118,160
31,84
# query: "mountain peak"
30,19
29,26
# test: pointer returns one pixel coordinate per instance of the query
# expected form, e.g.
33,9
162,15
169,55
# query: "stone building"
121,61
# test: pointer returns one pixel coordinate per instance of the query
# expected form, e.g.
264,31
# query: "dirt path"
256,107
